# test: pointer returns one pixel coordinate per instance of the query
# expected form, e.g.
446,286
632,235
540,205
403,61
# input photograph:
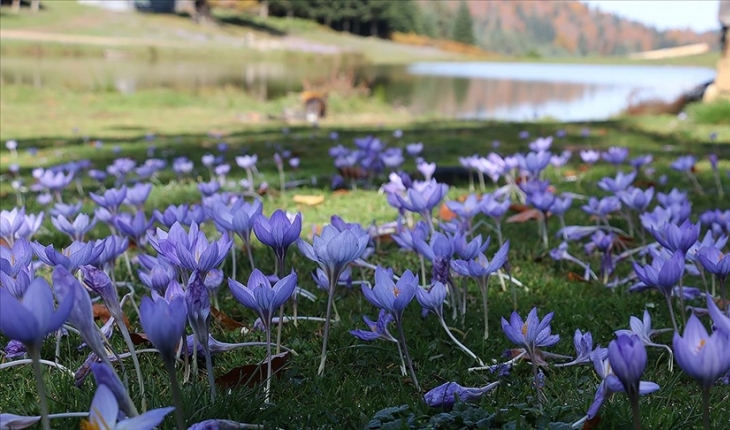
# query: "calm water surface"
506,91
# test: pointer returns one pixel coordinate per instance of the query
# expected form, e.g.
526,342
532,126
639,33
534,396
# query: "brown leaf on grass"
341,192
308,200
516,207
252,374
574,277
139,339
719,303
626,240
592,423
525,216
584,167
102,313
445,213
225,321
539,359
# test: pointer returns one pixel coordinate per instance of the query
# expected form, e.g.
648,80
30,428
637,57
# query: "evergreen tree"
463,25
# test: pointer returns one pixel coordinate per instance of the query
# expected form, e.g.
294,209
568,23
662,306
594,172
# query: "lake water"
479,90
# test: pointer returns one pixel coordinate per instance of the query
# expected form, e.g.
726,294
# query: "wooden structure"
720,89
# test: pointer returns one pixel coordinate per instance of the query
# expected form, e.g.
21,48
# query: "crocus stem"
482,185
459,344
35,353
545,230
533,360
484,288
402,360
129,265
681,302
636,411
405,352
464,294
706,409
176,395
423,269
14,363
718,185
724,305
268,364
209,369
330,301
233,260
135,361
250,255
249,174
282,180
671,312
278,329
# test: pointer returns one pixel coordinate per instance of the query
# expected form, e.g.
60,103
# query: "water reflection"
506,91
525,91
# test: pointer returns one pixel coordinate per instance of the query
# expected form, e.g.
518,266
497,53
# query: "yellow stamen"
702,345
396,292
97,424
524,329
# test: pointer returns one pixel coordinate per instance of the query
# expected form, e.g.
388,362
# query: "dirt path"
38,36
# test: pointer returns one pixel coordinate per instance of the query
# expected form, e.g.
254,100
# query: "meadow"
363,378
194,133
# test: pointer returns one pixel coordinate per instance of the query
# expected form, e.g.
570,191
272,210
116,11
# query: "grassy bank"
363,378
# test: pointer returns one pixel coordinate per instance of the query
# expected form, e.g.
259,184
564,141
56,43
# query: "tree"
463,25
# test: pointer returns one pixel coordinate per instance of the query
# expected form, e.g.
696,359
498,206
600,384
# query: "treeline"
380,18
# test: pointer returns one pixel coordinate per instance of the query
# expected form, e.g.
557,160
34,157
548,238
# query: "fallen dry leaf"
574,277
525,216
226,321
308,200
592,423
445,213
341,192
252,374
139,339
102,313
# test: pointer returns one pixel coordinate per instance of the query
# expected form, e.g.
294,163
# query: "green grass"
362,378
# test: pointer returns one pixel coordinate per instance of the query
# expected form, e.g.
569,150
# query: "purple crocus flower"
445,395
493,207
66,210
17,256
702,356
191,251
628,359
16,223
534,162
611,384
414,149
541,144
662,274
426,169
620,183
424,198
75,255
482,267
636,199
376,329
30,319
589,156
468,250
55,181
207,189
468,209
173,214
77,229
583,343
684,163
601,208
137,195
438,251
262,297
532,333
541,200
677,237
163,322
715,262
237,218
642,160
111,199
104,414
111,248
105,375
615,155
405,237
432,299
133,226
182,166
247,161
16,286
334,249
390,296
720,320
278,232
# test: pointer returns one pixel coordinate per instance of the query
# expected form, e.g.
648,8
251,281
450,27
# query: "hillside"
550,28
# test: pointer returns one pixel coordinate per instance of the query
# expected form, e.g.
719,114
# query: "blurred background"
129,66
